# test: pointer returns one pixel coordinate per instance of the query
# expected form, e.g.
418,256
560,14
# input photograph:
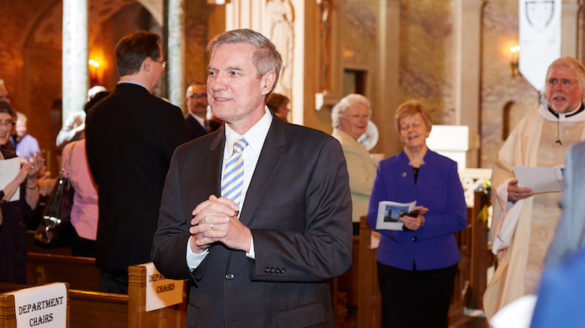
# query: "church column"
569,29
75,54
468,71
174,25
388,79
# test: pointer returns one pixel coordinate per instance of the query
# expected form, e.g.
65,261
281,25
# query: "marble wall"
196,39
426,56
498,87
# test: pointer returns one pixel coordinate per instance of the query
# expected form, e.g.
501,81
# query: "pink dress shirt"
84,214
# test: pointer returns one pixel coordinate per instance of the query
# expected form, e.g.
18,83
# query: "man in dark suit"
131,136
196,122
260,256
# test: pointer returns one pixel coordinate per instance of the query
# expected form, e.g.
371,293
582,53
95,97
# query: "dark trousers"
415,298
113,281
81,246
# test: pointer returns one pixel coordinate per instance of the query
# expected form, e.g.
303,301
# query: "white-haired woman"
350,120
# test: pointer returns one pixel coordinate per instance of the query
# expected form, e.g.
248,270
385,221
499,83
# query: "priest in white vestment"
539,140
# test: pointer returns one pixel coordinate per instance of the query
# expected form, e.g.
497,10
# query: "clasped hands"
215,220
515,193
415,222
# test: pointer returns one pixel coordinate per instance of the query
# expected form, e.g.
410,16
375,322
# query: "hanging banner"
540,38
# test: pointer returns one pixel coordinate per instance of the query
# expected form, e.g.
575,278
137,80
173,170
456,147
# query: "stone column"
388,94
569,29
175,56
468,71
75,54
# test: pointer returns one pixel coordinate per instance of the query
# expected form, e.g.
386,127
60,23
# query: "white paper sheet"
540,179
9,169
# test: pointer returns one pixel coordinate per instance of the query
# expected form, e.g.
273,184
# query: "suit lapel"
270,157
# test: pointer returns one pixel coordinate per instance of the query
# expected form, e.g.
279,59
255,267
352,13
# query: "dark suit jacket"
131,136
298,207
195,130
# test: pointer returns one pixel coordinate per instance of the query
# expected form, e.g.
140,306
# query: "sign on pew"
160,291
41,307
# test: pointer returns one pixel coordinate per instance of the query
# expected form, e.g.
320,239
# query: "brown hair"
134,48
413,107
6,108
275,100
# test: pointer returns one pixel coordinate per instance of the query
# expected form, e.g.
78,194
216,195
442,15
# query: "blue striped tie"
233,173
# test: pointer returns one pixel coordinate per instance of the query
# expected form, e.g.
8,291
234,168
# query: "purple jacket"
439,189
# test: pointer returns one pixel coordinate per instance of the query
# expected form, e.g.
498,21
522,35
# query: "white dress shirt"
255,137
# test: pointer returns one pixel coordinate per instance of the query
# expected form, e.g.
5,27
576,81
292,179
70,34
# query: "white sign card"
540,179
41,307
160,291
539,30
9,169
389,214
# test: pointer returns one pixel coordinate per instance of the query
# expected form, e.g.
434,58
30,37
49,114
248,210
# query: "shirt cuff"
193,260
251,254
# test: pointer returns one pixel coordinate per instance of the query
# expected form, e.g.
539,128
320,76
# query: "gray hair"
266,58
345,103
574,65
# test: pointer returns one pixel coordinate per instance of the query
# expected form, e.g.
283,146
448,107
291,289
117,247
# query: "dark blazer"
131,136
298,207
196,130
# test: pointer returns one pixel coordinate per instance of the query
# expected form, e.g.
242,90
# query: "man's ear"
267,82
146,64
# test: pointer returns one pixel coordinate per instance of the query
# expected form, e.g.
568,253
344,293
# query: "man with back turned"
131,136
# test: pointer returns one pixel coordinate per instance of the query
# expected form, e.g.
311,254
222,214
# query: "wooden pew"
369,309
80,272
169,317
481,255
89,309
31,246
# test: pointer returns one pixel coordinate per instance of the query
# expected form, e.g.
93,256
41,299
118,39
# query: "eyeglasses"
198,96
7,123
563,82
163,63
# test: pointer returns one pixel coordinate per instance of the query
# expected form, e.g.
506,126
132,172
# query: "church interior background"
454,55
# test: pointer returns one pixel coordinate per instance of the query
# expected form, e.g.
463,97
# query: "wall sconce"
94,67
515,50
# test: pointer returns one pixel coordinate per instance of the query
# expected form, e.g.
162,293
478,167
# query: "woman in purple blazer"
417,265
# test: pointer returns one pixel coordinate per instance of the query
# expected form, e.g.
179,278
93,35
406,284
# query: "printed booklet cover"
389,214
